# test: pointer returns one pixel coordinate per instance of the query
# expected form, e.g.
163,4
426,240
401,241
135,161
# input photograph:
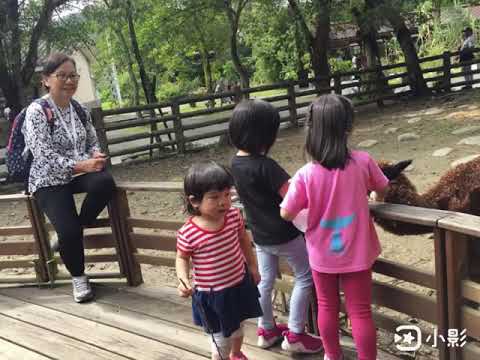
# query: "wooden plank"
99,241
456,265
402,272
405,301
441,285
155,224
99,223
461,223
119,310
13,197
11,264
11,351
151,186
97,258
167,305
155,260
105,337
18,248
53,344
470,321
471,351
411,214
16,230
154,242
471,290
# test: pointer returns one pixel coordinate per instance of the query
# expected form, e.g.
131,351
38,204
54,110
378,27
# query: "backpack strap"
82,114
48,112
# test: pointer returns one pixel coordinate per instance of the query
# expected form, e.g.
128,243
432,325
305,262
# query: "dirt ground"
433,120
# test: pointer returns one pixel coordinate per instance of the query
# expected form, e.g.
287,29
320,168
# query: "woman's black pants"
57,202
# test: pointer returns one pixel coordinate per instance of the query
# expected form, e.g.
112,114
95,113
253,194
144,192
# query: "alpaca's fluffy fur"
457,190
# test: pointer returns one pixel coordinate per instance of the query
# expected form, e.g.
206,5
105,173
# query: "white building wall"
86,92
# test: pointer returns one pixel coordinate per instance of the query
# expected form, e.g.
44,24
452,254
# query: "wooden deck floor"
123,323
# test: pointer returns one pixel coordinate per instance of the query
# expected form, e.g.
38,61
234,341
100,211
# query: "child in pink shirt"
341,240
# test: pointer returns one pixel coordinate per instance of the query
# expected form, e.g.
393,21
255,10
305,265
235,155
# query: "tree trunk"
131,73
318,44
207,72
234,18
321,68
138,56
415,76
302,73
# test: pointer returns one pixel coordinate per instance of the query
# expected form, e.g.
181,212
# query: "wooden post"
120,212
292,105
337,83
379,84
98,123
45,269
447,76
456,260
441,288
177,125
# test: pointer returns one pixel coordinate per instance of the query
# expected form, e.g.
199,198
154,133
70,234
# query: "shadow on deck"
123,323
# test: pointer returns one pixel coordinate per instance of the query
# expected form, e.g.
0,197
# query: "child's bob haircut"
329,123
254,126
202,178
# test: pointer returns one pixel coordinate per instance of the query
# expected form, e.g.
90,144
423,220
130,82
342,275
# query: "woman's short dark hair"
54,61
202,178
254,126
329,123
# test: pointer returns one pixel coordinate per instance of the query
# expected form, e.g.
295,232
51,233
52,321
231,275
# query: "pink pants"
357,287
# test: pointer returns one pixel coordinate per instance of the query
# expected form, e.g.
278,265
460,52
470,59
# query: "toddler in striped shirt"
225,272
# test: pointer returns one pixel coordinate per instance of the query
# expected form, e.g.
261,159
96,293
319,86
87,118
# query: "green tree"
22,25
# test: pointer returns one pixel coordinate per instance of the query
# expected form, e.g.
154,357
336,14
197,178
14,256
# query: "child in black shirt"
261,184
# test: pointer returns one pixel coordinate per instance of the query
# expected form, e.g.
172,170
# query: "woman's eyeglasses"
64,77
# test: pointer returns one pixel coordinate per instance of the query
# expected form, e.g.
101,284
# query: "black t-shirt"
258,180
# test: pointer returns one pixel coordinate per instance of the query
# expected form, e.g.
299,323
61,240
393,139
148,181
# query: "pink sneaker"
268,338
240,356
301,343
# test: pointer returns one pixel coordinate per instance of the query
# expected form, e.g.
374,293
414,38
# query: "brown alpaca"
457,190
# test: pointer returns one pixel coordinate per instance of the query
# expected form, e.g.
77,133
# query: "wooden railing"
452,304
168,126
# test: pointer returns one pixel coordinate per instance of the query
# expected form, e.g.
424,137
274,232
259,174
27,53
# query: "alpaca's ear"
392,171
402,165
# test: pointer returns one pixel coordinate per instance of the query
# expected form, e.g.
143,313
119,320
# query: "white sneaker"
81,289
325,357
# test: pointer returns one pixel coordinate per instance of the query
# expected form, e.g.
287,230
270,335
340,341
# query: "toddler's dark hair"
254,126
202,178
329,123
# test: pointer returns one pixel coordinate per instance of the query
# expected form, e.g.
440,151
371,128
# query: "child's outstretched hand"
184,289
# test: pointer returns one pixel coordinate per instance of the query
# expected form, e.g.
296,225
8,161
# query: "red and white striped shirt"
217,259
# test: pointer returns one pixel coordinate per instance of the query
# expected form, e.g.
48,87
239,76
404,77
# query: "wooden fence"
133,241
171,126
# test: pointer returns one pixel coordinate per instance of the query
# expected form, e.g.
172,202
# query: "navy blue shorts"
224,310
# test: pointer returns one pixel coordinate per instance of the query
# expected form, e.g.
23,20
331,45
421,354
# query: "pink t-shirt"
340,233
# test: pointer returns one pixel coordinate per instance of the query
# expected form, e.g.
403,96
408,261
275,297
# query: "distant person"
466,54
225,272
341,239
66,160
7,112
